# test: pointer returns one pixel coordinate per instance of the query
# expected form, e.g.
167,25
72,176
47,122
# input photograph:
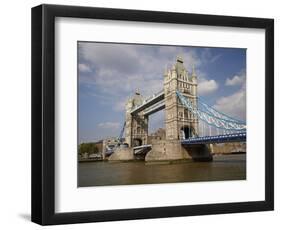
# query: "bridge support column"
136,129
168,150
200,152
122,154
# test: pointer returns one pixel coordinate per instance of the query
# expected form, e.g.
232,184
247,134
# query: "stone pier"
169,150
122,154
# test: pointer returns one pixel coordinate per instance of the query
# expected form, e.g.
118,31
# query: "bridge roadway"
156,102
234,137
138,150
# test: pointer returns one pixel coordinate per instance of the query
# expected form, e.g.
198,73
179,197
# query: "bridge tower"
180,123
136,129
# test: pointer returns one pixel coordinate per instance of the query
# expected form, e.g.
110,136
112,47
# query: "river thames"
101,173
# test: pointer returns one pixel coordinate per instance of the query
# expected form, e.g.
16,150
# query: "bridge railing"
235,137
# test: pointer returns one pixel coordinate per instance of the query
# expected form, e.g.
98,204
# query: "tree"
88,148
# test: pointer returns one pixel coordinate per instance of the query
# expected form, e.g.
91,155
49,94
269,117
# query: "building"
108,146
160,134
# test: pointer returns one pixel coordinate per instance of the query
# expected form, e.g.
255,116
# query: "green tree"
88,148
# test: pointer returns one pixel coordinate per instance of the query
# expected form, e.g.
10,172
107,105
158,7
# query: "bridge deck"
149,102
140,150
142,146
235,137
154,108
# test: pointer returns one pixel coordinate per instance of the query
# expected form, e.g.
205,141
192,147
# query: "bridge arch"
137,142
187,132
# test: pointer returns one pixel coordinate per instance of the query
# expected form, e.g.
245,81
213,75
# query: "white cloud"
239,79
236,80
109,125
208,57
207,86
233,105
84,68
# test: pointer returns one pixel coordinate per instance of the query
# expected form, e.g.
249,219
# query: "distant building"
99,145
160,134
84,155
108,146
95,156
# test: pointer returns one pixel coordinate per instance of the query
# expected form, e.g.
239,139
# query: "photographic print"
129,103
160,114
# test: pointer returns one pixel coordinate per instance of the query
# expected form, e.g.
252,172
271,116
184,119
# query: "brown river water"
101,173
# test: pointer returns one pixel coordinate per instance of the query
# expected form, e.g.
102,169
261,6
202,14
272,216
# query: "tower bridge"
185,136
177,118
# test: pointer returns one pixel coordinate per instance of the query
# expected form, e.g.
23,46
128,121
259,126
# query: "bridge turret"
194,81
180,69
193,75
137,98
173,72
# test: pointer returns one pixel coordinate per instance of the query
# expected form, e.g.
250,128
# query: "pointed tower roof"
137,92
137,98
179,65
193,70
179,59
193,75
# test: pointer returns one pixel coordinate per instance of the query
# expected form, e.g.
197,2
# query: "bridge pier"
166,150
171,150
122,154
200,152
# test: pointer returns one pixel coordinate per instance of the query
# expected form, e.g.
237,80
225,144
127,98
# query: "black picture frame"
43,114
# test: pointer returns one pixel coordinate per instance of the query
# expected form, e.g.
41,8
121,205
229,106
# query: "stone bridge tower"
179,122
136,130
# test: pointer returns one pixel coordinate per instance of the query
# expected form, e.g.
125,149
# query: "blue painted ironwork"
217,113
122,132
212,117
235,137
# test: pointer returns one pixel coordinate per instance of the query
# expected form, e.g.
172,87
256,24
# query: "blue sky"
109,73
